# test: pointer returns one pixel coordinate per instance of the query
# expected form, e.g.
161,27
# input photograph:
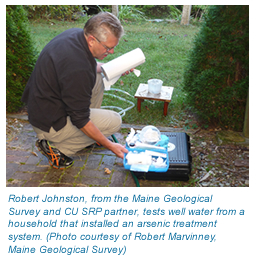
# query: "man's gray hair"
102,24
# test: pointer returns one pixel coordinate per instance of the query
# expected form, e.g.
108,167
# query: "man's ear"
90,40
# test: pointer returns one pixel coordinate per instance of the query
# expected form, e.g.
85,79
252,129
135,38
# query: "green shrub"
161,11
20,56
197,11
59,12
126,12
216,79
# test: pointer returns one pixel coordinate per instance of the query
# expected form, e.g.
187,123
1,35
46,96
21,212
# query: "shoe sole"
46,155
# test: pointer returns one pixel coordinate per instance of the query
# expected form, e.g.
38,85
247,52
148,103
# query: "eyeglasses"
107,48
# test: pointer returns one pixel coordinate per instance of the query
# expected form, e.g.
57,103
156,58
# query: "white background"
234,234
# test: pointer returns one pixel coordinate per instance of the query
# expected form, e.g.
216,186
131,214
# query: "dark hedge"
20,56
216,79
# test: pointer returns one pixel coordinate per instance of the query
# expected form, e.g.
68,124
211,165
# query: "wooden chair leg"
165,108
139,105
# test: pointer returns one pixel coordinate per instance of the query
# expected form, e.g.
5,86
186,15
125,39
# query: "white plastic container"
155,86
150,135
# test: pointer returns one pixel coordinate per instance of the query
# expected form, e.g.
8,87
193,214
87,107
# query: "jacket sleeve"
76,89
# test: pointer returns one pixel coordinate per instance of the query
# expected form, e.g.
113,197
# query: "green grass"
165,45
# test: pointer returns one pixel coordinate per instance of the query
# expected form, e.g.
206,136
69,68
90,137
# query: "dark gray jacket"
61,83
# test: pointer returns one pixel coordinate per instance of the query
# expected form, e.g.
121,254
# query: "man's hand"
118,149
128,72
93,132
99,67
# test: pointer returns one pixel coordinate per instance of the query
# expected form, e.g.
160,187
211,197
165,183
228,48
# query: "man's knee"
116,121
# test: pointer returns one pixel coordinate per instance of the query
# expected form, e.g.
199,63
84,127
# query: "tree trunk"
115,10
185,15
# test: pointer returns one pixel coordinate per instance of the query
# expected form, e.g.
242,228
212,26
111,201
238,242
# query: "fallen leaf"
107,171
206,176
34,154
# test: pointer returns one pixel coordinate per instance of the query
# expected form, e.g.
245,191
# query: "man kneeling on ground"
65,91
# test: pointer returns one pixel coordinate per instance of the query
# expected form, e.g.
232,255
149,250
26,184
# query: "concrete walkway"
27,167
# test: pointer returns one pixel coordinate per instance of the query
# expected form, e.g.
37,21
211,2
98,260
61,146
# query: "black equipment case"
180,160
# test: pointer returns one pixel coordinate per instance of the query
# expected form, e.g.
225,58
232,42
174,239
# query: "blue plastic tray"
151,168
